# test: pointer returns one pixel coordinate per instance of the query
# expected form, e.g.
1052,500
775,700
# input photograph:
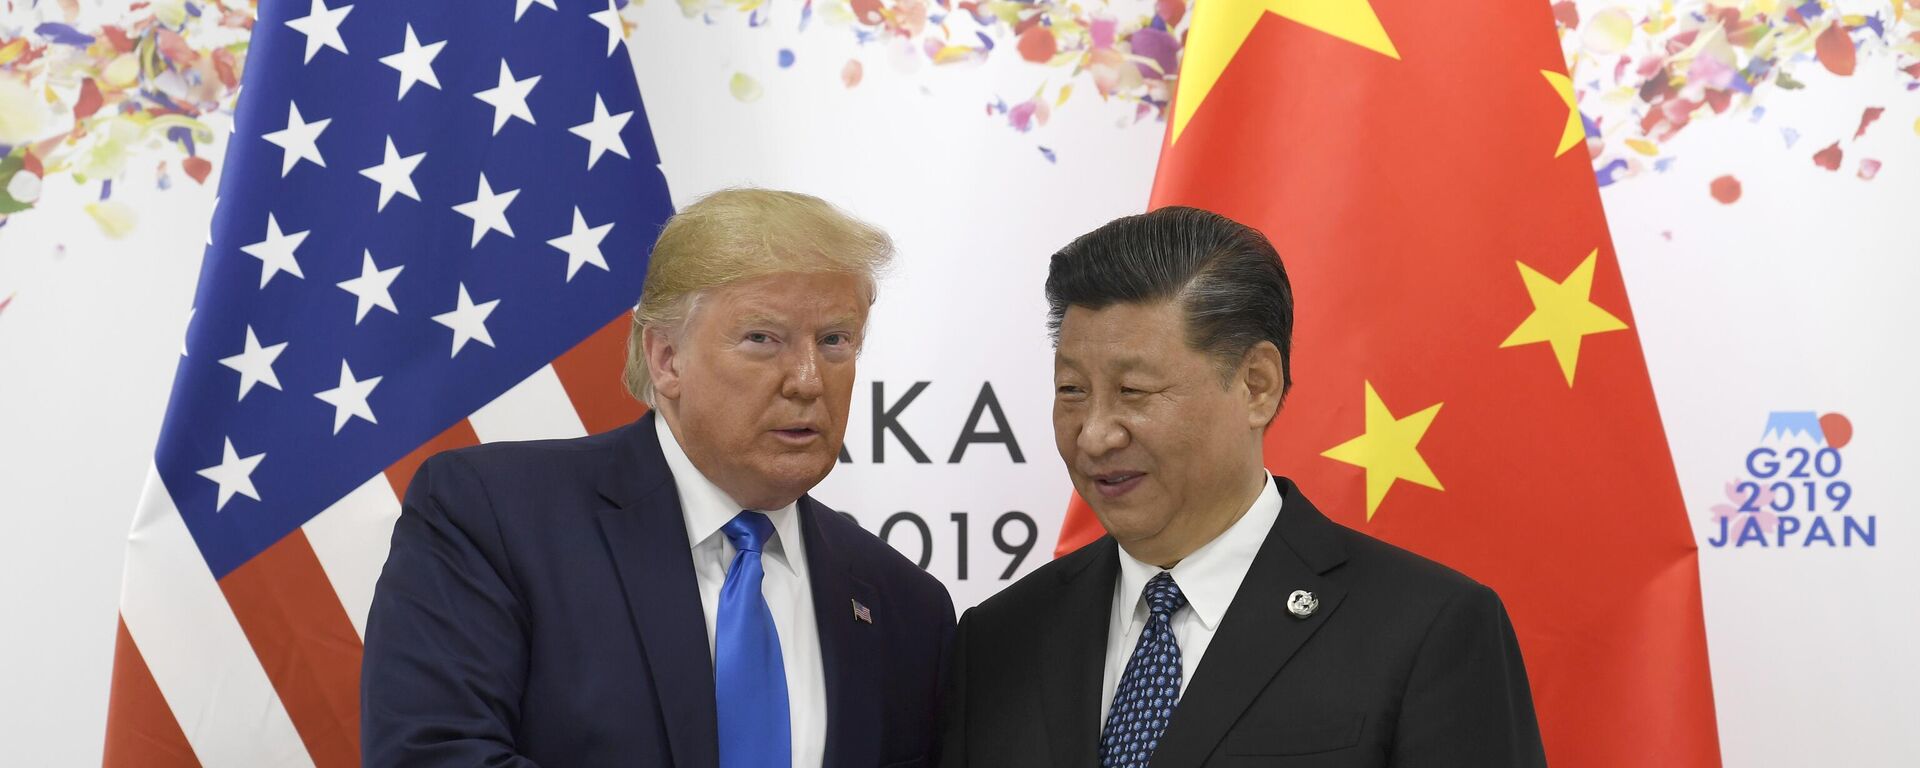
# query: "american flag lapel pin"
860,613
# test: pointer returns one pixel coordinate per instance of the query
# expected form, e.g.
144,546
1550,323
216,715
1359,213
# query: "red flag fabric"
1470,381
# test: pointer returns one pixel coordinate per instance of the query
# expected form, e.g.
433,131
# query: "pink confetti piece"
1869,168
1867,118
1725,189
1834,47
1829,158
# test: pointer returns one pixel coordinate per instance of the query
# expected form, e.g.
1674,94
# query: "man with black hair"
1223,620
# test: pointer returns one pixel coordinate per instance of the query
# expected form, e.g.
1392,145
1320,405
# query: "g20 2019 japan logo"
1793,490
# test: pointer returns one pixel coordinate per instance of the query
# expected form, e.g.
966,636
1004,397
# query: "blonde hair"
743,234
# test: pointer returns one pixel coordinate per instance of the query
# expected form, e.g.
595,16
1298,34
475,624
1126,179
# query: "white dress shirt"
1209,578
789,592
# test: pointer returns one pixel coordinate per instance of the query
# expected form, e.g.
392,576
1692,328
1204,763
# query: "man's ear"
663,368
1264,376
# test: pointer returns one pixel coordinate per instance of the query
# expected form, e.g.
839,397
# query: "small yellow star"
1575,132
1562,314
1388,450
1220,26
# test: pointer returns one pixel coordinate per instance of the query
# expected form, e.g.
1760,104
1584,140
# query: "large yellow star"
1220,26
1575,132
1562,314
1388,450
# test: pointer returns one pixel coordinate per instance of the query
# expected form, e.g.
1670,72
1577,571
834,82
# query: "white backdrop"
1795,298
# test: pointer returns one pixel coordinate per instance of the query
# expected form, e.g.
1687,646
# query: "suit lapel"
1073,655
1258,635
849,649
647,538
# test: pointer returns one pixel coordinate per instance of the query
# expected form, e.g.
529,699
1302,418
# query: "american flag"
432,218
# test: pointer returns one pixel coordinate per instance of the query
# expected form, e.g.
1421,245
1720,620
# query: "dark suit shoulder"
880,559
1421,586
1037,592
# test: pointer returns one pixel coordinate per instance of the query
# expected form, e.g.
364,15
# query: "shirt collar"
1211,576
706,508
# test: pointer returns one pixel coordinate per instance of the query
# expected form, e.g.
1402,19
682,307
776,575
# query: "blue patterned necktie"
1150,688
750,681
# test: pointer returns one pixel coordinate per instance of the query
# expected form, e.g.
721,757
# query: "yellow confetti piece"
744,88
122,72
952,53
1065,91
113,216
1608,32
12,50
1916,126
21,117
1643,146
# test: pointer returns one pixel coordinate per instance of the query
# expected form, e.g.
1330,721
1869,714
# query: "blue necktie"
1143,702
750,681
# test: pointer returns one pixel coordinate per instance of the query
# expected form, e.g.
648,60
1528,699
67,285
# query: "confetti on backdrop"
1643,76
85,102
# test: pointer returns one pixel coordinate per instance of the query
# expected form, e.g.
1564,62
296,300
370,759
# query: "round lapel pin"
1302,603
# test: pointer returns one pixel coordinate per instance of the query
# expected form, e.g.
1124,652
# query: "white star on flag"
509,98
276,252
616,29
394,174
603,133
234,474
414,62
255,364
468,321
349,400
488,211
521,6
298,141
321,25
582,245
371,288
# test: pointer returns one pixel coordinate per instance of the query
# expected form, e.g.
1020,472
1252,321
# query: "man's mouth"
1116,484
797,434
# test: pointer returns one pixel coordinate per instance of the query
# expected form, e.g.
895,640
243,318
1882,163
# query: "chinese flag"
1470,382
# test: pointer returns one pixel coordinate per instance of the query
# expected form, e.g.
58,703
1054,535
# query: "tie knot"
748,531
1163,596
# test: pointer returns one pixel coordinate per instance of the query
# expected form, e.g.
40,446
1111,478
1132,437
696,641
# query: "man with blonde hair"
666,594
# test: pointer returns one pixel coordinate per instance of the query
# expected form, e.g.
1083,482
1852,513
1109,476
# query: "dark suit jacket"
539,607
1404,663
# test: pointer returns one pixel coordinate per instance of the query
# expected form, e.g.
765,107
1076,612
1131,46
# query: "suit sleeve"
953,708
446,648
1467,702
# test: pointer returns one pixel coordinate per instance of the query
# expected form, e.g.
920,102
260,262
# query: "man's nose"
802,380
1102,432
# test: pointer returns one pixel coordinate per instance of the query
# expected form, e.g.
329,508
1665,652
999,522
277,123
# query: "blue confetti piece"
63,34
1879,27
1610,173
1661,165
1809,9
106,189
758,18
1587,124
1792,136
806,15
1048,154
193,10
786,58
1758,112
984,40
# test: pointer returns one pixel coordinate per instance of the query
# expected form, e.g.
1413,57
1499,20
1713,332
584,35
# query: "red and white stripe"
262,668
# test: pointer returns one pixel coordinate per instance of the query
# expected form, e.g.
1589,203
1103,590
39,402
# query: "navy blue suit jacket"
539,607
